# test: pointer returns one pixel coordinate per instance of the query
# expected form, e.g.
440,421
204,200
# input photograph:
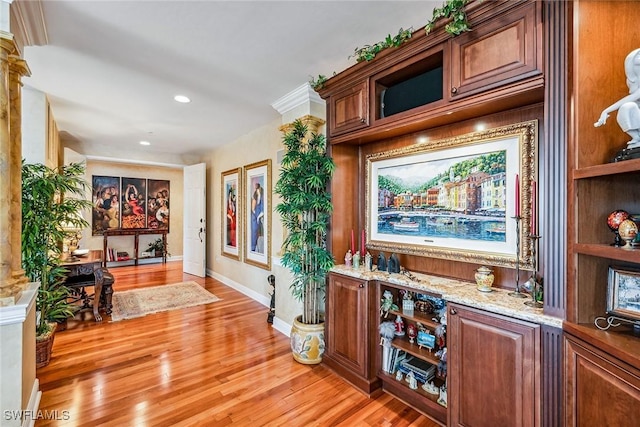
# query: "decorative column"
9,292
313,124
17,69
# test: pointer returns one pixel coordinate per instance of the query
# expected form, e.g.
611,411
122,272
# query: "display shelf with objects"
412,354
123,256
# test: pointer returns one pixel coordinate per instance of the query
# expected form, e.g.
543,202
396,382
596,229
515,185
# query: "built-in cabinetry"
350,332
601,369
409,355
494,364
349,109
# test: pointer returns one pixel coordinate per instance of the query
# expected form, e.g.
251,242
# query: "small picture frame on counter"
623,293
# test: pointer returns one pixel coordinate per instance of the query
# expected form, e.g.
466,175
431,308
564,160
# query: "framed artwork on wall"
456,198
158,197
134,202
106,205
231,188
257,214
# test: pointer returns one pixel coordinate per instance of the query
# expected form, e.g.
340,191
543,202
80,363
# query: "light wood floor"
212,365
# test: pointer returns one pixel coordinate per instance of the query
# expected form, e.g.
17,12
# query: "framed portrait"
231,188
158,203
623,293
456,198
133,202
257,214
106,204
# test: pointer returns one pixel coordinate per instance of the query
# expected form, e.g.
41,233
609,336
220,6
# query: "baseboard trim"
33,405
282,326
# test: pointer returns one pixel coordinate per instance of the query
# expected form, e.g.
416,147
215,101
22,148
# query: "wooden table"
83,272
136,232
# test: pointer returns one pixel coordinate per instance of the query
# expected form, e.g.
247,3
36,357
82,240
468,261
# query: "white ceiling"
111,68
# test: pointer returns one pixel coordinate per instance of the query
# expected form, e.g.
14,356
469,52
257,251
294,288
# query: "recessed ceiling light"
145,143
181,98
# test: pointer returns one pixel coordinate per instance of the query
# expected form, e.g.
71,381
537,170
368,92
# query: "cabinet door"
494,370
501,51
349,109
346,323
600,390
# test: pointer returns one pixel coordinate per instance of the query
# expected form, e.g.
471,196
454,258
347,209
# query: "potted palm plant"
52,199
305,210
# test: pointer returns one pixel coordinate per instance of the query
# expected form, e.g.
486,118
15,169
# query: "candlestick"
535,284
517,293
363,249
534,208
517,209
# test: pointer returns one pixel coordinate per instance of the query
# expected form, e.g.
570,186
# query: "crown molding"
299,96
28,24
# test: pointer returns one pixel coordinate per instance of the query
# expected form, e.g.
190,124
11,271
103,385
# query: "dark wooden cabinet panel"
500,51
349,109
350,332
494,369
600,389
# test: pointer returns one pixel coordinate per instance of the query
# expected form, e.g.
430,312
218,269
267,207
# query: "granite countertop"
459,291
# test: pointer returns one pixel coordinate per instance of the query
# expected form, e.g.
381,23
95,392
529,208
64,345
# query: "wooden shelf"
419,399
607,251
618,341
626,166
413,349
418,318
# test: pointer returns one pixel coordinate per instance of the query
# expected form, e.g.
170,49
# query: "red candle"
363,249
517,196
353,243
534,208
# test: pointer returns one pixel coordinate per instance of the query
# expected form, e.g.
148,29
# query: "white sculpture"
629,106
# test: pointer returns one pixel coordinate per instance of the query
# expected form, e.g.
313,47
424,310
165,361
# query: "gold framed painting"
257,214
231,217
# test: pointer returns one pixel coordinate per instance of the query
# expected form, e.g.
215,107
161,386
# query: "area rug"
140,302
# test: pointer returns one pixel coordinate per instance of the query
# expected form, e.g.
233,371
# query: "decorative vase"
614,219
44,346
307,342
484,279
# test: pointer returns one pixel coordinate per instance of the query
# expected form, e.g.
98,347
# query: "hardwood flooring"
211,365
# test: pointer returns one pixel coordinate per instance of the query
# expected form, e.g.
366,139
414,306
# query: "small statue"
272,307
393,265
382,262
356,260
412,332
399,375
347,258
411,379
399,327
629,106
387,304
368,262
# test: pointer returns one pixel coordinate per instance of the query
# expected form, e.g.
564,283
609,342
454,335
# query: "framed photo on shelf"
231,187
623,293
257,214
457,198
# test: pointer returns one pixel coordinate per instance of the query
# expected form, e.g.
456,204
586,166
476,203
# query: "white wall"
34,125
260,144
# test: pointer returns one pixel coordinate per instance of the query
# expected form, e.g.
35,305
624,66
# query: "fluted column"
9,292
17,69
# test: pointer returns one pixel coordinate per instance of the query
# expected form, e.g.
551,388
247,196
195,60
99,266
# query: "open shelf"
608,251
413,349
625,166
417,398
417,317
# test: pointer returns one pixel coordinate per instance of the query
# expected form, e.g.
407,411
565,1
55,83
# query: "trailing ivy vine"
368,52
453,9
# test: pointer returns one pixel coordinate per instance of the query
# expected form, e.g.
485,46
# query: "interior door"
194,236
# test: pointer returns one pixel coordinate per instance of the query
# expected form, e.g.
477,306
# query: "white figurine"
629,106
411,379
399,375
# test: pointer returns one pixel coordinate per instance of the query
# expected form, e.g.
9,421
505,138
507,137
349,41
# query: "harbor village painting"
454,198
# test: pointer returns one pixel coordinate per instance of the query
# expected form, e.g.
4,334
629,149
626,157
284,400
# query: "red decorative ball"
615,218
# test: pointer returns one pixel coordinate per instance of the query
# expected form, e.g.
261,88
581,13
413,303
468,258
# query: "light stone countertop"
458,291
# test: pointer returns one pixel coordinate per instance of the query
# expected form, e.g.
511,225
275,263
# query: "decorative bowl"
80,252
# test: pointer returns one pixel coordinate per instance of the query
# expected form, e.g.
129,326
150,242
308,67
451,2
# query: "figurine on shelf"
368,262
442,365
382,262
399,375
356,260
628,108
412,332
442,400
399,326
393,265
386,303
431,388
348,258
411,379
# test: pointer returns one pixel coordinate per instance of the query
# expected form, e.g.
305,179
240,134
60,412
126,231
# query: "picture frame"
158,204
231,191
623,293
133,203
257,214
456,198
105,214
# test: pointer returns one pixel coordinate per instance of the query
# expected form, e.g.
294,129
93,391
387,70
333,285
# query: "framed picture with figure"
231,189
257,214
106,204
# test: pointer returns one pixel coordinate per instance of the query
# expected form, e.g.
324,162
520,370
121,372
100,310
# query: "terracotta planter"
44,346
307,342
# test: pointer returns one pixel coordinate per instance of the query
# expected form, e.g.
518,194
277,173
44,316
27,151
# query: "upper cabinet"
498,52
434,80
